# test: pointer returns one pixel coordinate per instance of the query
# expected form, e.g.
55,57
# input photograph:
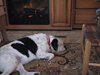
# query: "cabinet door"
85,12
86,16
61,10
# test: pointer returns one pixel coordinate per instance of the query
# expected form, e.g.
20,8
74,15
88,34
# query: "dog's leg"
22,71
8,66
8,71
45,55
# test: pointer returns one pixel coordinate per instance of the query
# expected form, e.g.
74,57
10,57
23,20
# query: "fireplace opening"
34,12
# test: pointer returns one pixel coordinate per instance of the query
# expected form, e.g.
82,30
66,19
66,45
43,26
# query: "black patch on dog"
54,44
29,44
21,48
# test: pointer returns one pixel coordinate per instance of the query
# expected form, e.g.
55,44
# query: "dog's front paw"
32,73
50,56
37,74
46,56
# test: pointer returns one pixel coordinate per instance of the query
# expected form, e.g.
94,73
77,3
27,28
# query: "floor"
68,36
73,67
59,65
72,40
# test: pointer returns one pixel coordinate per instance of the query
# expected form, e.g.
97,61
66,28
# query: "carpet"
65,63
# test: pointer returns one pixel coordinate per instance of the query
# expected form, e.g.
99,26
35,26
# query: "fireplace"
28,12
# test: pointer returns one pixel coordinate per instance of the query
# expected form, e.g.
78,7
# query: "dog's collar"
49,43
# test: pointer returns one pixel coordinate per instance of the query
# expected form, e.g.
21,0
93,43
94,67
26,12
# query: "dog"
38,46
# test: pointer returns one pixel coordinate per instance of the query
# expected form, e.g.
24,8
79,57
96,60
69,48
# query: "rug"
65,63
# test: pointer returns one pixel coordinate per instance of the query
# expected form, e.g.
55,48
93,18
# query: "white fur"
11,59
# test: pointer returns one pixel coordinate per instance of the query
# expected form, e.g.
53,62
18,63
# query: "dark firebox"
28,12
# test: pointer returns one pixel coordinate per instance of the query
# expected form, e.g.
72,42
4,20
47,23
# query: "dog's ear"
54,44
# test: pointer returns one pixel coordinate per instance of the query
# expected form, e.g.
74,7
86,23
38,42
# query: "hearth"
26,12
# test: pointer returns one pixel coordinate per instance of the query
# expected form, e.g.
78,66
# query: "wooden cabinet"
85,12
60,17
64,15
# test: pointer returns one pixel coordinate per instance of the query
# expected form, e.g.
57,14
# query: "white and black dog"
38,46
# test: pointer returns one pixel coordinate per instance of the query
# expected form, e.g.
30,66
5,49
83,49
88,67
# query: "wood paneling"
85,16
1,3
85,12
61,12
87,4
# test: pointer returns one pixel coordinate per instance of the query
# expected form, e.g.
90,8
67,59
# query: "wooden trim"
51,12
7,20
73,12
69,11
61,25
38,27
68,23
3,28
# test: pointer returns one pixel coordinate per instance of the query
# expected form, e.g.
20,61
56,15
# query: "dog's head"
57,45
